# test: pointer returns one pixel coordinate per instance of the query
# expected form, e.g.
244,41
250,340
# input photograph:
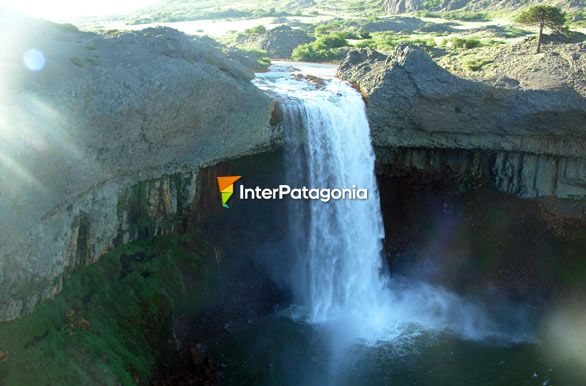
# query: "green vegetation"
476,63
455,15
259,29
264,61
76,61
110,324
464,43
510,31
344,28
260,56
387,41
324,48
430,4
577,19
542,16
328,45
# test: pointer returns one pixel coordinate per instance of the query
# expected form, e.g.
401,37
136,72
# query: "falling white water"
336,274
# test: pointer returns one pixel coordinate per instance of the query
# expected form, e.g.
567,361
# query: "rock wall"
521,174
532,141
101,140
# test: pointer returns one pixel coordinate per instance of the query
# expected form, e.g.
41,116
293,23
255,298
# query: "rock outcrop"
101,139
278,42
423,117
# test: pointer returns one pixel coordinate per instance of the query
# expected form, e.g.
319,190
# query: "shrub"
364,34
311,53
259,29
325,48
265,61
77,61
334,40
465,43
476,64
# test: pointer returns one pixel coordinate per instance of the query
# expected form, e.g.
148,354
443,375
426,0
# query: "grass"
455,15
476,64
76,61
110,322
580,19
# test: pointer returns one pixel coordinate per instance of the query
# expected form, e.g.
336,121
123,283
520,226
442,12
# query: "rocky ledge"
278,42
101,140
529,142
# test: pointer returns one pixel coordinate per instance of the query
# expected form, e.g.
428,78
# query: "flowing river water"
350,321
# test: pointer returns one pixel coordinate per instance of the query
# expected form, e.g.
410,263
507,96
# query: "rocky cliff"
528,142
101,139
401,6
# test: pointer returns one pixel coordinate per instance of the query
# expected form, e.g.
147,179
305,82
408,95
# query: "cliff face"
532,142
101,139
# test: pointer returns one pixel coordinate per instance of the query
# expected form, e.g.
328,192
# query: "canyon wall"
102,137
530,143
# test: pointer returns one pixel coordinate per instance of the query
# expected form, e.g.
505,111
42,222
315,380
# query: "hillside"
179,10
401,6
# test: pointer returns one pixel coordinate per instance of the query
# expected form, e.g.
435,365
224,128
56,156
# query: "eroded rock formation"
102,137
532,142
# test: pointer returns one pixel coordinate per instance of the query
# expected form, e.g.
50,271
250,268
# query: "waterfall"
335,273
337,269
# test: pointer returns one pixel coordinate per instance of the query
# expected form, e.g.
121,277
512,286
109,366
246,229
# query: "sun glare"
60,10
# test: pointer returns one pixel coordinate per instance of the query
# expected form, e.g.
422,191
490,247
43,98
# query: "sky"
66,9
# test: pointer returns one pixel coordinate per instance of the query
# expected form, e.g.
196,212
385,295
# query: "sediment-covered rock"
101,138
534,140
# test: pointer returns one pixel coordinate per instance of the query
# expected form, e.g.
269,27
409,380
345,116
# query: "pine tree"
542,16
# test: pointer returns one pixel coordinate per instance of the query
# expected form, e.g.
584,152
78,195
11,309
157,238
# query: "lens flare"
34,59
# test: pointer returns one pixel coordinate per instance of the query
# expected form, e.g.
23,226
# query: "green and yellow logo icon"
226,185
